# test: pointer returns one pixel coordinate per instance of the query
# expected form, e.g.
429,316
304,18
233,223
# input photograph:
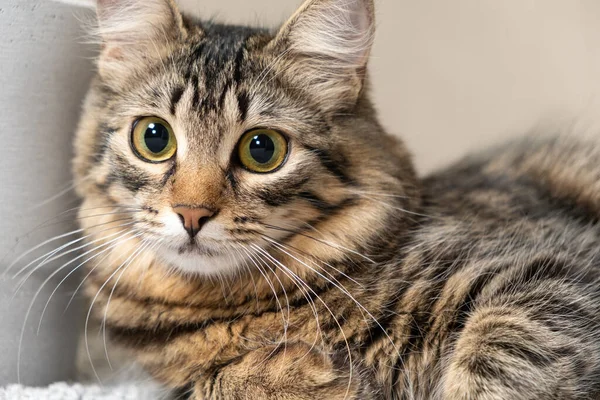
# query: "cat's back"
523,200
536,182
520,219
504,257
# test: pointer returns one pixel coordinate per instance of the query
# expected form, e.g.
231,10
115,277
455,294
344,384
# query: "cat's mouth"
199,249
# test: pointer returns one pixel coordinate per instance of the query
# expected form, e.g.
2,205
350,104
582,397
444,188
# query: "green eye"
153,139
262,150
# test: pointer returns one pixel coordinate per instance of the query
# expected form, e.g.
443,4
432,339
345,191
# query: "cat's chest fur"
180,341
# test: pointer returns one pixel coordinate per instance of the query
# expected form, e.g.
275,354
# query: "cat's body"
496,286
348,277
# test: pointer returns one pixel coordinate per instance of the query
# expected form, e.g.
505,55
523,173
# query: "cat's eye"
153,139
262,150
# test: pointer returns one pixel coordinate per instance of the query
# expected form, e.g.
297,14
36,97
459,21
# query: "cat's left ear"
327,44
136,31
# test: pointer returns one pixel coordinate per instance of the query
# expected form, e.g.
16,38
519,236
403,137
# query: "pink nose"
193,218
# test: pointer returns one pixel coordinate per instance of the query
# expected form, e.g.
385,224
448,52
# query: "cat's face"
221,145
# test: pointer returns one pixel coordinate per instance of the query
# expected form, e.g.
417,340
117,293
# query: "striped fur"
342,275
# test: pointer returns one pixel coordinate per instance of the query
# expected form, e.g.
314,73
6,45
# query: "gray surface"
61,391
43,76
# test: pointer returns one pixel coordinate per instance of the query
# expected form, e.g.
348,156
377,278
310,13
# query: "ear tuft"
342,29
135,20
135,30
331,41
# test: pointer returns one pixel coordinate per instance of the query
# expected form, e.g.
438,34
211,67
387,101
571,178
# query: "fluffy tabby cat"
266,239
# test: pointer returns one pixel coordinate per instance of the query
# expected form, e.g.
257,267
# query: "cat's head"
218,146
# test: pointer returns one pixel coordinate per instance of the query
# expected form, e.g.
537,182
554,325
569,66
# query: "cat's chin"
198,261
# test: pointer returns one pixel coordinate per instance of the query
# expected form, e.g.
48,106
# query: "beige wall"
454,75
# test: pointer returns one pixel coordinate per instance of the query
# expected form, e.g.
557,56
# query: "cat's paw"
292,371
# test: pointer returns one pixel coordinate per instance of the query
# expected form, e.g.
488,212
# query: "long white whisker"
349,259
344,291
241,250
350,359
311,257
146,246
91,271
113,245
52,256
304,293
25,254
48,223
37,293
270,283
325,242
87,318
52,252
56,196
286,323
332,278
393,207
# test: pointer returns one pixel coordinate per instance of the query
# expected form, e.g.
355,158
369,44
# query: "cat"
263,237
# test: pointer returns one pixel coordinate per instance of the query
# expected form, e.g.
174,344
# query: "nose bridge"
197,186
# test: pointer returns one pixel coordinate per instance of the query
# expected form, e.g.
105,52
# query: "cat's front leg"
296,371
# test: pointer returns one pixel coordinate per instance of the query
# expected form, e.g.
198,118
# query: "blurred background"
449,77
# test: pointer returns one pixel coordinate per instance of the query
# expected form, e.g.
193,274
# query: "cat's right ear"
134,32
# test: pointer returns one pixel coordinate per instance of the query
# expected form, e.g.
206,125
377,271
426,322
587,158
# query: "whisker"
349,259
48,223
345,291
309,302
25,254
270,283
403,210
62,236
249,270
91,271
330,244
51,256
61,193
332,279
87,318
381,194
147,245
22,282
48,279
79,266
350,359
310,256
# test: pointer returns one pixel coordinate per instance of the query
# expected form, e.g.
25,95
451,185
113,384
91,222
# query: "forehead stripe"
176,95
196,90
243,100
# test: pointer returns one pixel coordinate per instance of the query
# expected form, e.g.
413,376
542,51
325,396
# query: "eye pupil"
262,148
156,137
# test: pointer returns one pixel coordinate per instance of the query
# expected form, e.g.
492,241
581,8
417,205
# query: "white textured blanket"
64,391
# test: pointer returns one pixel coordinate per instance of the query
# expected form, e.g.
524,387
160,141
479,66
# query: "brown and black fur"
357,279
